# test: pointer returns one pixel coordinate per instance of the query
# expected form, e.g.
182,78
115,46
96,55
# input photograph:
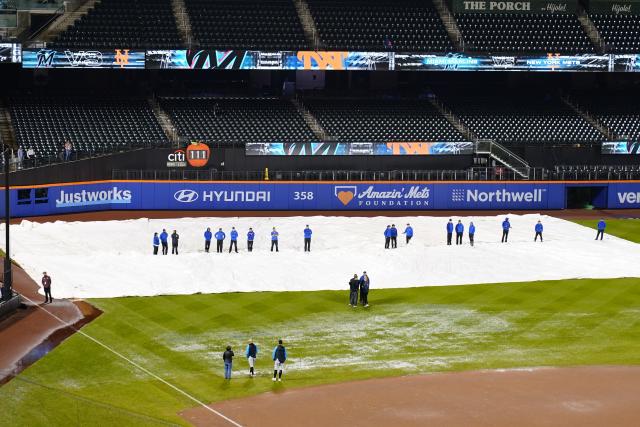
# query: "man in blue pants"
307,239
601,226
459,232
227,357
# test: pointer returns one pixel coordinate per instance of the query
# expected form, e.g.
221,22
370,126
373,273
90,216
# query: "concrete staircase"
7,134
308,24
310,120
183,22
450,24
591,30
593,120
74,11
164,120
453,119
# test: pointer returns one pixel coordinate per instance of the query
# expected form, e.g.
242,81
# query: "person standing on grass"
506,226
219,240
449,232
164,236
394,236
174,242
207,239
46,285
274,239
227,357
250,236
601,226
251,353
538,229
307,239
459,232
156,243
354,284
279,356
234,239
472,232
364,289
408,232
387,237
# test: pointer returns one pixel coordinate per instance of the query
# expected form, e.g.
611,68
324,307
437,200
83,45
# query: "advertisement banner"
10,53
507,6
264,195
615,7
624,195
463,62
116,58
358,148
620,147
629,63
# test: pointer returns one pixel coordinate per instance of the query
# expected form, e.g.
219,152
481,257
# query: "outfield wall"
59,199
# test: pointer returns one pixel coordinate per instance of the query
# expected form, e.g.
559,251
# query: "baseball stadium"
320,213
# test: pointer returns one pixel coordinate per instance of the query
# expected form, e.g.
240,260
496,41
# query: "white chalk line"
140,367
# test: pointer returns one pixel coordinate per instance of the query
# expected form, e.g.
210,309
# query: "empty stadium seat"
621,33
618,112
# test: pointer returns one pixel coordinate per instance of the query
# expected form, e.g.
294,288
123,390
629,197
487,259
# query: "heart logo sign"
345,193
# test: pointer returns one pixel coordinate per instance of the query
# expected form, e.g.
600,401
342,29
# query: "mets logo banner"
358,148
68,58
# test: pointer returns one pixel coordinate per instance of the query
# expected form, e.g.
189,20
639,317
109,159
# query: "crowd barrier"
263,195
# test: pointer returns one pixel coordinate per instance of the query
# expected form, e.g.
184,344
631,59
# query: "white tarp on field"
113,258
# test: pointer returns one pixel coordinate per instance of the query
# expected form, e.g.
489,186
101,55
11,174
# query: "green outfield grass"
405,331
628,229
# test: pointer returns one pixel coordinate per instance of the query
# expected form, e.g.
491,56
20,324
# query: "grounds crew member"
174,242
601,226
408,232
506,225
354,284
394,236
251,352
227,357
387,237
274,239
156,243
538,229
163,239
307,239
449,232
459,232
219,240
279,356
472,232
234,239
207,239
364,289
250,236
46,285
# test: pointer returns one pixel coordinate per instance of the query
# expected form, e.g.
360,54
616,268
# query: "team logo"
84,58
186,196
198,154
177,159
345,193
45,58
122,57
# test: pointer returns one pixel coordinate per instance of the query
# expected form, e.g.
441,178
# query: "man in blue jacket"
538,229
394,236
506,225
449,232
387,237
250,236
164,239
307,239
459,232
364,289
156,243
408,232
279,356
207,239
274,239
472,232
219,240
601,226
251,352
234,239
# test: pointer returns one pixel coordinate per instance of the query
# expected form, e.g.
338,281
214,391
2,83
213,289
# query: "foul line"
143,369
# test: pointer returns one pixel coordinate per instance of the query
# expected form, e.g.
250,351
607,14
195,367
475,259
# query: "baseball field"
406,331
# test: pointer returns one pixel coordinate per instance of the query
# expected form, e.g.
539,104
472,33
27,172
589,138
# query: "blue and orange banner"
358,148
